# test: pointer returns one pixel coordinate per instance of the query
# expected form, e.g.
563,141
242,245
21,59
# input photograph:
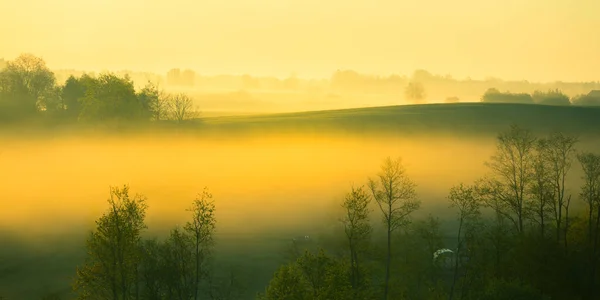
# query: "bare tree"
396,197
512,174
181,107
357,229
541,188
463,198
201,230
155,101
560,152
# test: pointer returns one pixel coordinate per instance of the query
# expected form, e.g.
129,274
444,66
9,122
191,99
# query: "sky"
535,40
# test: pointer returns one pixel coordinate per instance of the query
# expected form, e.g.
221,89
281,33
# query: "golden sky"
537,40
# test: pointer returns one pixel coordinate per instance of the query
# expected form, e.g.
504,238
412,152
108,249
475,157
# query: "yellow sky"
537,40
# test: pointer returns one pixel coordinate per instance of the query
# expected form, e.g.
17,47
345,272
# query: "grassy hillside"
459,118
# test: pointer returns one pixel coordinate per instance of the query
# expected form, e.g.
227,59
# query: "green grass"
405,120
456,118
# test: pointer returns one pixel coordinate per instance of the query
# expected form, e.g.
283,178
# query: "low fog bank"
259,182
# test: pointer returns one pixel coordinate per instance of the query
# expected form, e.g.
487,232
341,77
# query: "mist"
259,182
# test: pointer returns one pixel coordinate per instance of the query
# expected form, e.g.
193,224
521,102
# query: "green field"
458,118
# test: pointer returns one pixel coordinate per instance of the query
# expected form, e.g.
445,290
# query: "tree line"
521,233
28,90
550,97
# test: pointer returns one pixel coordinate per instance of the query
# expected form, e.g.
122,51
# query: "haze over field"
314,150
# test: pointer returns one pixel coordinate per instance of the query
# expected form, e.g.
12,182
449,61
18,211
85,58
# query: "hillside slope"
468,118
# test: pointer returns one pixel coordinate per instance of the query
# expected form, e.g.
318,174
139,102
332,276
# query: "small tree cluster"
28,90
122,265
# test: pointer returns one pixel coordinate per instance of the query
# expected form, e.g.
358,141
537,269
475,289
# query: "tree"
111,270
493,95
415,92
311,276
395,195
201,231
179,272
154,102
357,230
541,187
551,97
590,192
24,83
73,92
464,199
181,107
111,98
511,167
153,271
288,283
559,152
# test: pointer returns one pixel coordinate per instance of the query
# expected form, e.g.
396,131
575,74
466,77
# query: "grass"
456,118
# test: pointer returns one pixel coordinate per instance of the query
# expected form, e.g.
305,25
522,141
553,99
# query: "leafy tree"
311,276
288,283
415,92
358,230
154,102
395,195
201,233
73,92
25,84
551,97
111,98
179,271
493,95
153,271
111,270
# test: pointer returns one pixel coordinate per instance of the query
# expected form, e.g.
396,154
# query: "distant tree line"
28,90
551,97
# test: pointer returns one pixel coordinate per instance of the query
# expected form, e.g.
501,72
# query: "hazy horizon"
466,38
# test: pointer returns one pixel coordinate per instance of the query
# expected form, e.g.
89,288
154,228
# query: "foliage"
311,277
25,85
111,98
114,256
492,95
394,192
551,97
415,92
